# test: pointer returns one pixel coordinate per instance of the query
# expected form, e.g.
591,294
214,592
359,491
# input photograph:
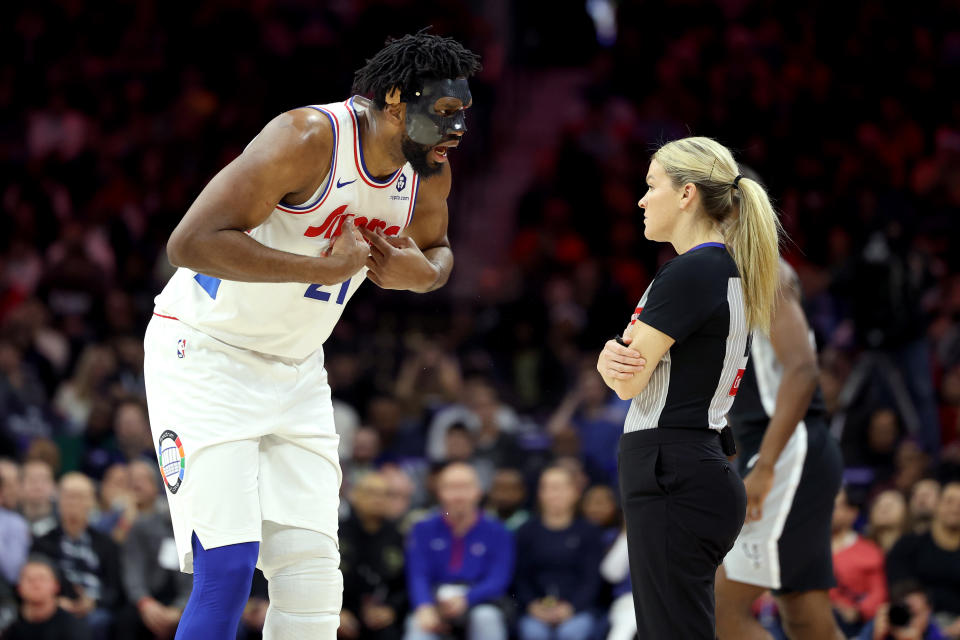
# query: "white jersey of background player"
268,255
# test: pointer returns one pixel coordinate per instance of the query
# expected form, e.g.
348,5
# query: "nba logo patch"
401,183
172,459
181,348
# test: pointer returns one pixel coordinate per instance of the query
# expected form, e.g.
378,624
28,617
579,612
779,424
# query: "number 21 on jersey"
317,293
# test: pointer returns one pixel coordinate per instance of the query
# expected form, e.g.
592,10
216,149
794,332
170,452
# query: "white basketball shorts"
241,437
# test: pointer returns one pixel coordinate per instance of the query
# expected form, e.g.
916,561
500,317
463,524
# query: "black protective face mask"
427,127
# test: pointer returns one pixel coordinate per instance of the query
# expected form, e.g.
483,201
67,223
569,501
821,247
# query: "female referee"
684,504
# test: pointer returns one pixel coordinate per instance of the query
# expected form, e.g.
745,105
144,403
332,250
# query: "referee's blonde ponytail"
747,220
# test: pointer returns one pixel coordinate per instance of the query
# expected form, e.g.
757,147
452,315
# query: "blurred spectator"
16,542
599,507
933,559
37,497
132,430
400,438
400,490
75,396
366,450
615,569
558,564
923,503
155,589
911,464
87,559
882,435
460,444
371,559
907,617
117,506
40,617
858,567
482,412
10,484
597,415
887,519
507,498
459,564
428,376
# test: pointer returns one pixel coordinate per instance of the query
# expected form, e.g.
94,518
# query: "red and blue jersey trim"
413,199
313,206
358,154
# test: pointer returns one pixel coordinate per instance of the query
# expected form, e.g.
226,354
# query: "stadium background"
114,116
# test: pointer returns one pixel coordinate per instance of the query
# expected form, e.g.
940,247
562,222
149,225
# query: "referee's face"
659,205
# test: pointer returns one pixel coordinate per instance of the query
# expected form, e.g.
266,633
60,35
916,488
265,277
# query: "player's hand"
428,618
757,484
618,362
396,262
350,247
152,614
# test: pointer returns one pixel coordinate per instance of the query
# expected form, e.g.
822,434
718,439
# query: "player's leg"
808,615
735,620
221,587
302,567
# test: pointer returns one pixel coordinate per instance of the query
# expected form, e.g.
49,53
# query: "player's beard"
417,155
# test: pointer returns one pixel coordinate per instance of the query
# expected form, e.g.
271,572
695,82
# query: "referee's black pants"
684,506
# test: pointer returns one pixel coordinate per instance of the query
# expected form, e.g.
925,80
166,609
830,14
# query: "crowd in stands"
485,409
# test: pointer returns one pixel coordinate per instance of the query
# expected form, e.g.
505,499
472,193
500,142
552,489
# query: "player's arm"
282,162
421,258
790,338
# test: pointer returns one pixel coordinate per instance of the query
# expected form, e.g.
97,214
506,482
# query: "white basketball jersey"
293,320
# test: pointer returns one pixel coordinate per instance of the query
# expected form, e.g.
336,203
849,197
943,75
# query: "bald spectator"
155,589
15,535
37,496
459,565
371,559
933,559
40,617
87,559
10,479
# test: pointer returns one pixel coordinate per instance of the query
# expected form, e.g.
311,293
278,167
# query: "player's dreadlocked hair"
407,62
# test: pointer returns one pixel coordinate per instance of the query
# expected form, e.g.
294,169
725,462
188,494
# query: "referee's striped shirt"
696,299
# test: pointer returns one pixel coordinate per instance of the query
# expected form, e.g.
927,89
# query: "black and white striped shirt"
697,300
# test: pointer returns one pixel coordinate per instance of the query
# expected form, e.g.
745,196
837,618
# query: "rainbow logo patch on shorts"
172,459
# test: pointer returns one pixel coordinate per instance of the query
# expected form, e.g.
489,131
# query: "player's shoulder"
789,280
303,133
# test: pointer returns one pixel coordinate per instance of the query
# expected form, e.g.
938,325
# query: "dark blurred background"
114,115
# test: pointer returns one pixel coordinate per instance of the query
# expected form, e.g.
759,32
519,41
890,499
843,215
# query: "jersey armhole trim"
358,154
413,200
312,206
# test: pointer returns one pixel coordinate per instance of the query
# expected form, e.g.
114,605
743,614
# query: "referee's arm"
650,343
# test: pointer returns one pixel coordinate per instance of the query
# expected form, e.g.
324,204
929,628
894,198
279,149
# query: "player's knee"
303,570
226,569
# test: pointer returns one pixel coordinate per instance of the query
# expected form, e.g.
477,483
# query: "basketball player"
269,254
792,470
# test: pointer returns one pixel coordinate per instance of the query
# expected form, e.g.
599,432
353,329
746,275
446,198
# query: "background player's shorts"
241,437
788,549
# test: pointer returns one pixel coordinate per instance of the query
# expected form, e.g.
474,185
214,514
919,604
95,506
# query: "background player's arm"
421,258
283,161
790,337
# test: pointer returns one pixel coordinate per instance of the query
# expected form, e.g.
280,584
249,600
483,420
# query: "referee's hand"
618,362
